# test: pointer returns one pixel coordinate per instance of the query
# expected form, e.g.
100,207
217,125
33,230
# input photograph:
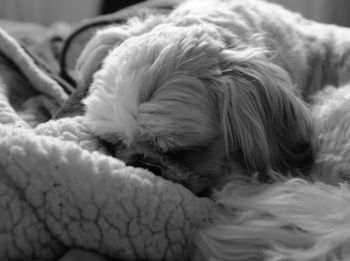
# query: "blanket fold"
59,189
87,28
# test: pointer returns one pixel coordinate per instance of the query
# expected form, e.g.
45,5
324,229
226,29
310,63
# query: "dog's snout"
140,161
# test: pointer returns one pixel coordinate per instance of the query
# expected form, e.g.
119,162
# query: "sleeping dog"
216,87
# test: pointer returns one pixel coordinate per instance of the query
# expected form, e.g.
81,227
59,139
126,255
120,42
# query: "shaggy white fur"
205,87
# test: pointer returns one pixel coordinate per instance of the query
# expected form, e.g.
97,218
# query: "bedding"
59,188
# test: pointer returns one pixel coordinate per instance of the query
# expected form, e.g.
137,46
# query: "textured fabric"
59,190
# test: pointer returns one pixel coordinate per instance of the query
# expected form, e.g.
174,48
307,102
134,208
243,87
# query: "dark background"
110,6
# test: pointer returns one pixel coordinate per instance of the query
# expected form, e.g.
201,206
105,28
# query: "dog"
213,88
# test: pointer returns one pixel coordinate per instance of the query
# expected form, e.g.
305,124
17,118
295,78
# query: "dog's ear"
91,58
263,120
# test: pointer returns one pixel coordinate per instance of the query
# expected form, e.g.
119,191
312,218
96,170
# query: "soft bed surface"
59,189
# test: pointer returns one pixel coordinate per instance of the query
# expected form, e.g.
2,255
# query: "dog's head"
177,101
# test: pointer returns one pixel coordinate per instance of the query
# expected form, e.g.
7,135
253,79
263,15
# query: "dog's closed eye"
142,161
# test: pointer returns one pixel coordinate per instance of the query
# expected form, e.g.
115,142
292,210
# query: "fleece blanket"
59,190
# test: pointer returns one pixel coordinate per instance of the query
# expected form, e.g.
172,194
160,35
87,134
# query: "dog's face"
180,103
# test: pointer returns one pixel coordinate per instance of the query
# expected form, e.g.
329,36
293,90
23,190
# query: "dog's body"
214,86
292,218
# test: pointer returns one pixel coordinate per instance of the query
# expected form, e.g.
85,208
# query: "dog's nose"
140,161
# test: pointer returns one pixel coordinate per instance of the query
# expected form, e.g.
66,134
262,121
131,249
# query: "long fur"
274,130
188,83
292,220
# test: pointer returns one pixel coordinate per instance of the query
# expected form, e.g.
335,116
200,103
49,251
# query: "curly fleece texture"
59,190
